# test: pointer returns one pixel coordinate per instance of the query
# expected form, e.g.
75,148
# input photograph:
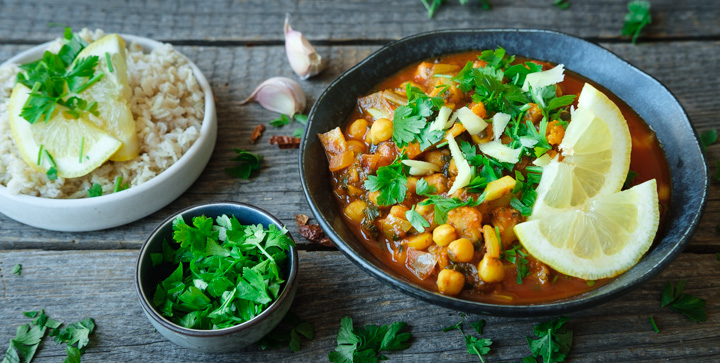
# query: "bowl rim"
555,307
205,133
275,305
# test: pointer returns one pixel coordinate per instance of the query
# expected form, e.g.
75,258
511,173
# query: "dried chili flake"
312,232
285,142
257,132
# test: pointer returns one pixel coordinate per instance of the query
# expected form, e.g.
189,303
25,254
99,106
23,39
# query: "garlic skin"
304,60
279,94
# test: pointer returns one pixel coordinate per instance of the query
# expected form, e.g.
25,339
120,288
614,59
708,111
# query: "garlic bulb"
304,60
279,94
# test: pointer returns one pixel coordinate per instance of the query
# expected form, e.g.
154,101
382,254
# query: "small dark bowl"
221,340
648,97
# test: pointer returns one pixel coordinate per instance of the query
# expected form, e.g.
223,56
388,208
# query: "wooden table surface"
238,44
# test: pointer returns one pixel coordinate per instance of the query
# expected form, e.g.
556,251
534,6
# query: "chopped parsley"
443,205
410,122
688,305
366,344
553,341
423,188
417,220
474,345
525,186
562,4
516,256
52,173
297,133
95,191
284,120
390,181
227,273
636,19
708,138
654,326
247,163
17,269
288,332
119,186
55,78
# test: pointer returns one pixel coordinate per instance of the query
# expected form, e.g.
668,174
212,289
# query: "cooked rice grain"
168,107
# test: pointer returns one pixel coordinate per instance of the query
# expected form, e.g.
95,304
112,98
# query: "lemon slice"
77,146
603,238
112,94
596,151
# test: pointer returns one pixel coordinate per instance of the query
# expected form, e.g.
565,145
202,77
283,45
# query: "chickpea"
421,241
356,146
439,181
425,210
381,130
356,210
491,269
452,168
461,250
398,211
467,222
444,234
358,129
450,282
437,157
411,184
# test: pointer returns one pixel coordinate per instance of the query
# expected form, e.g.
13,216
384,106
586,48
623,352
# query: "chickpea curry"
435,168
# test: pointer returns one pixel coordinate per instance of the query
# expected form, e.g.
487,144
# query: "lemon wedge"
604,238
582,225
75,146
596,156
112,94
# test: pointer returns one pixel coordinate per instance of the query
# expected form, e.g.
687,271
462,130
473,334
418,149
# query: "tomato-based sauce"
384,229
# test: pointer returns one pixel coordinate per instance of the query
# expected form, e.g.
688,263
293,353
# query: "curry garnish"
690,306
390,181
636,19
95,191
553,341
410,121
366,344
247,163
222,273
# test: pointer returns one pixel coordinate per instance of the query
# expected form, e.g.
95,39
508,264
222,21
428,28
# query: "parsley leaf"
365,344
416,220
517,256
95,191
280,122
410,121
562,4
443,205
17,269
473,344
75,334
688,305
423,188
654,326
636,19
288,332
708,138
390,181
297,133
247,163
553,341
52,173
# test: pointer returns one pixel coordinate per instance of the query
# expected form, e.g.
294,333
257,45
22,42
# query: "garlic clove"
304,60
279,94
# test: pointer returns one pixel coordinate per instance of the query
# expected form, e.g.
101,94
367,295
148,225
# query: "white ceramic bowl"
112,210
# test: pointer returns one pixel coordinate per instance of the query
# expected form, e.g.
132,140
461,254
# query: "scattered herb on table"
365,344
636,19
297,133
28,337
708,138
17,269
553,341
474,345
247,163
288,332
654,326
284,120
562,4
226,274
95,191
688,305
54,77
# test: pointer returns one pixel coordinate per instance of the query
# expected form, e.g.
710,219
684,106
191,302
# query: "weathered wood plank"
258,20
73,285
233,73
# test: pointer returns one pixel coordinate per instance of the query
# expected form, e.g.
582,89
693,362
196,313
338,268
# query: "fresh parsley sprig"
474,345
288,332
443,205
553,341
636,19
366,344
410,122
247,163
690,306
391,181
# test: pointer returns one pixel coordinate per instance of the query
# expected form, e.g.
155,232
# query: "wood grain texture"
233,73
330,20
74,285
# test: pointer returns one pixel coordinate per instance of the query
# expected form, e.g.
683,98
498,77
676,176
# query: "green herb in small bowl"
217,277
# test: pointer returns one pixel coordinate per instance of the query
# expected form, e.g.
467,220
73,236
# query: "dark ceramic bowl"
648,97
221,340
